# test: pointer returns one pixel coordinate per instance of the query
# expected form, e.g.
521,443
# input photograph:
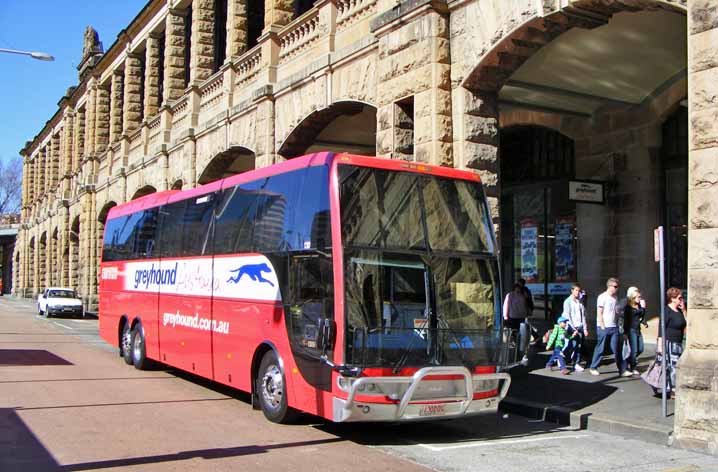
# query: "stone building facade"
531,94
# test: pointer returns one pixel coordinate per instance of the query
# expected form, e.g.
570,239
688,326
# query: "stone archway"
345,126
514,65
143,191
234,160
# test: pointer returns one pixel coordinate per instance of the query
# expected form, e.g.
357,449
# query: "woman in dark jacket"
633,316
673,329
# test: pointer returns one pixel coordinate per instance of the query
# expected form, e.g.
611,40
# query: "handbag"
626,349
653,375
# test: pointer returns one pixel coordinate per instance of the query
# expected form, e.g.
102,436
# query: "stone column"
55,162
277,13
480,146
92,246
27,182
42,164
132,102
116,100
102,119
174,56
152,97
78,143
68,132
90,120
237,25
65,246
202,53
696,421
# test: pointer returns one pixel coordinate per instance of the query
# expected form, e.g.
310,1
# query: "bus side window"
171,217
310,297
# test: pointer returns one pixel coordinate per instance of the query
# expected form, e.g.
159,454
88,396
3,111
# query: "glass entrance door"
539,243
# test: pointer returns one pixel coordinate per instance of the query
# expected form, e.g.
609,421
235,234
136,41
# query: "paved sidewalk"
607,403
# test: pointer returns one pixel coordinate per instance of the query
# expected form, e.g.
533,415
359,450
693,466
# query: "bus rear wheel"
139,357
271,390
126,344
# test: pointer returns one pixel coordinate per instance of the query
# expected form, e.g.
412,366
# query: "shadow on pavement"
30,357
20,450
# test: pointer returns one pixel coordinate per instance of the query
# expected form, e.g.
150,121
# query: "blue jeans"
556,356
635,339
575,345
613,335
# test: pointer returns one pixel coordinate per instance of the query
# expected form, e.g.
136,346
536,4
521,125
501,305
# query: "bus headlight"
485,385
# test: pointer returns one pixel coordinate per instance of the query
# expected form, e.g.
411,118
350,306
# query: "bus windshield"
420,270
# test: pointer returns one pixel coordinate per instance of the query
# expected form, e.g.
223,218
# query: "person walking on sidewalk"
575,312
606,327
634,315
516,309
674,328
558,339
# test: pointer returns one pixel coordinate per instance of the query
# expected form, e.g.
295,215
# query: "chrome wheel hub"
137,347
126,341
272,386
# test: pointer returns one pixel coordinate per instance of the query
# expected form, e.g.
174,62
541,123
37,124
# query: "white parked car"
59,301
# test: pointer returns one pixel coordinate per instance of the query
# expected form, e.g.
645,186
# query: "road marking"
60,324
499,443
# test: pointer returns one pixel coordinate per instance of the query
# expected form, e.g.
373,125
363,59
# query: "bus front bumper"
409,408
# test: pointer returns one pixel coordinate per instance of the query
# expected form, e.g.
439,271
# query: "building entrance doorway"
538,222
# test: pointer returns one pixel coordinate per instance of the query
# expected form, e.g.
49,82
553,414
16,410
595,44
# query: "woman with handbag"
634,315
673,330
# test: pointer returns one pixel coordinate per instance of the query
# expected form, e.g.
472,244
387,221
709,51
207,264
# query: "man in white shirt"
606,326
574,310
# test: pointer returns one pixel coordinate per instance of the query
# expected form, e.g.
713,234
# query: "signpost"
659,257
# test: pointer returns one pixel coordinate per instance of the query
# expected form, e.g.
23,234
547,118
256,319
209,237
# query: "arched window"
255,22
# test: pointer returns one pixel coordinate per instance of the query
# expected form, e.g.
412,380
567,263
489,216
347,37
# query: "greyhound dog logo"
254,271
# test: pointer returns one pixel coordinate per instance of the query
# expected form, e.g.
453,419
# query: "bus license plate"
434,409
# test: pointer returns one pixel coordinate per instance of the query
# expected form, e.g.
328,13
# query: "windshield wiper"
442,322
405,354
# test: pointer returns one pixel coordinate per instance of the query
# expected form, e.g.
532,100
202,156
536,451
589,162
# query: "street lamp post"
35,55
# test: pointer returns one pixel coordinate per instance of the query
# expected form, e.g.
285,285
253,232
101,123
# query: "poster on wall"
529,253
564,264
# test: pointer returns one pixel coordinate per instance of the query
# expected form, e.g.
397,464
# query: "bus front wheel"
126,344
271,390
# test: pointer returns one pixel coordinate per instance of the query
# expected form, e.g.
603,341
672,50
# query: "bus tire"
126,344
271,390
139,357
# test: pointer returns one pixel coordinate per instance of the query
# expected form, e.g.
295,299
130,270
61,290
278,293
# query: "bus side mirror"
326,335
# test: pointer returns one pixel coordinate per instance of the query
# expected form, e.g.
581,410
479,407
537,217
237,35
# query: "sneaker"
578,368
524,361
564,371
594,372
627,373
635,372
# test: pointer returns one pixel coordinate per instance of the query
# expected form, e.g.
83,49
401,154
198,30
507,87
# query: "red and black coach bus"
349,287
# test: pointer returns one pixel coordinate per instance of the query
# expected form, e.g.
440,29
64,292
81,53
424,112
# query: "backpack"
547,335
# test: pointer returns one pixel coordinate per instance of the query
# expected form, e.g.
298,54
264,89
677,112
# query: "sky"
30,89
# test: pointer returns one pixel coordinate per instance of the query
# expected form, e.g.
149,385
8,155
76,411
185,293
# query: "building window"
187,45
302,6
220,33
404,128
255,22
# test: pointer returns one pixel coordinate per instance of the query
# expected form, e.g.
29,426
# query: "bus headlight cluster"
485,385
370,388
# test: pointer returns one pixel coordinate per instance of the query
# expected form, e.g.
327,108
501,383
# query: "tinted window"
235,219
170,235
146,235
112,230
197,226
287,212
131,236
